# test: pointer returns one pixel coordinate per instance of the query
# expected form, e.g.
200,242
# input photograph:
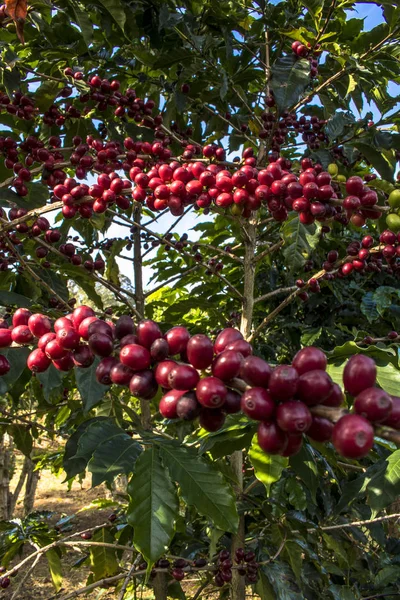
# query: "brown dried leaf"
17,9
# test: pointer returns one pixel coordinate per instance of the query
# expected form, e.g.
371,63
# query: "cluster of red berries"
21,106
207,380
306,51
362,260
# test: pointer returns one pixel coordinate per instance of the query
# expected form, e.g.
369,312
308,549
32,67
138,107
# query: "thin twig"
126,582
275,293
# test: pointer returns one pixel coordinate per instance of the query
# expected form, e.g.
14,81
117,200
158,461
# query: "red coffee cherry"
293,417
255,371
200,351
227,365
257,404
393,420
39,325
147,332
183,377
271,438
309,359
187,407
320,429
335,398
162,372
37,361
7,337
283,382
373,404
211,392
359,374
177,338
136,357
168,404
211,419
314,387
225,337
353,436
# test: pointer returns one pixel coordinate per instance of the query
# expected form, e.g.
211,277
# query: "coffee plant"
199,290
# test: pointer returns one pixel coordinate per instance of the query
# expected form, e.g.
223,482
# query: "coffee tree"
248,393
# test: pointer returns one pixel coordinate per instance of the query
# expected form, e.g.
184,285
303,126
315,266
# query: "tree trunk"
18,488
238,582
5,460
32,481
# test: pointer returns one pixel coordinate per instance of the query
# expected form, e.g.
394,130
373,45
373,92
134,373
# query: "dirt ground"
54,496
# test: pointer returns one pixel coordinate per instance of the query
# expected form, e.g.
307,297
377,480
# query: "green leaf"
384,487
17,358
11,80
103,561
336,125
54,561
90,389
22,438
297,495
202,485
299,240
115,8
304,465
386,576
13,299
388,377
114,456
377,160
153,509
51,380
267,467
83,21
290,77
46,94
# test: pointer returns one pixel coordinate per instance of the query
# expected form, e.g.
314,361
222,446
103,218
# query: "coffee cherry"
232,402
5,582
68,338
121,374
293,446
227,365
162,372
100,327
353,436
359,374
159,349
21,317
147,332
177,338
86,535
80,314
241,346
83,357
168,404
393,420
257,404
19,335
211,419
187,407
7,336
225,337
200,351
124,326
183,377
143,385
200,562
211,392
39,325
320,429
103,370
335,398
283,382
101,344
54,351
255,371
309,359
373,404
271,438
4,365
37,361
314,386
134,356
293,417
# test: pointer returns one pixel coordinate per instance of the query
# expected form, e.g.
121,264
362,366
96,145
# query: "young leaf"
267,467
